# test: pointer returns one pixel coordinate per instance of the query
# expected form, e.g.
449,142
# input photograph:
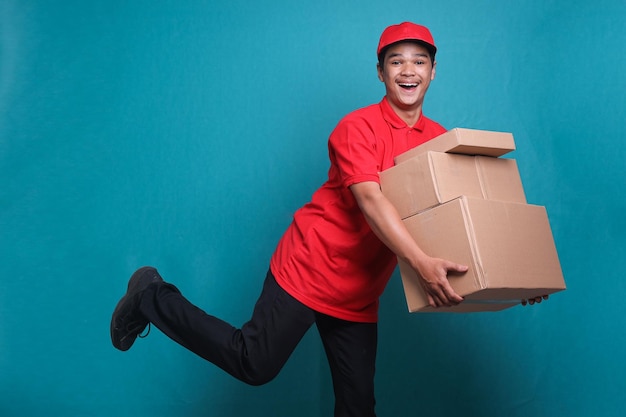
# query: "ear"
379,70
433,71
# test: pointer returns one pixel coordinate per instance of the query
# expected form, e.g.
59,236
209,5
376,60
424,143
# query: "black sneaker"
126,323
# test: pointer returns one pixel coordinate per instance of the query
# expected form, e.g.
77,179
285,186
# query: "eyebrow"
415,55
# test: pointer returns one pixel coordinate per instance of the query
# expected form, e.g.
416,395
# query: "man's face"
407,72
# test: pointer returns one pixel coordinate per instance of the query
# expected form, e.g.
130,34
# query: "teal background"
183,134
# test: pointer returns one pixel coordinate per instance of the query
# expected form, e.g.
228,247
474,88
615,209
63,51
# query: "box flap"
514,240
471,306
465,141
428,228
454,175
499,179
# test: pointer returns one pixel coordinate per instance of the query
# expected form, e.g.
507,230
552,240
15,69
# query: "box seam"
469,227
481,177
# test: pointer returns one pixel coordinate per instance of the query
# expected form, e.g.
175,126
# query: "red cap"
406,31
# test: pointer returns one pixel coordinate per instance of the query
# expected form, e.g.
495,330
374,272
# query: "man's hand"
434,279
532,301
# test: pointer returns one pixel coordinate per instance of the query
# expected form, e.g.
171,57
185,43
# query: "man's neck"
409,116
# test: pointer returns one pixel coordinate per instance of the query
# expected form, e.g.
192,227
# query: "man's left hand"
532,301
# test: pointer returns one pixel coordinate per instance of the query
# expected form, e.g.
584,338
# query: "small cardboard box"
465,141
433,178
508,247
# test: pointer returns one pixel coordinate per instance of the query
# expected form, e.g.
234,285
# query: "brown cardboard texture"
465,141
433,178
508,247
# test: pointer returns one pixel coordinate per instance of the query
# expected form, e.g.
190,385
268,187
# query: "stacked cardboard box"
462,202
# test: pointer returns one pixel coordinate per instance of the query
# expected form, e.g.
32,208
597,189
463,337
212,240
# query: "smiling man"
407,69
335,259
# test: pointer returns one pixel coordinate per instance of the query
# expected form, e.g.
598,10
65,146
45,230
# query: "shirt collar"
395,121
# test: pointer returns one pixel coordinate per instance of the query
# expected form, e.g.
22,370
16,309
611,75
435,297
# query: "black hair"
429,48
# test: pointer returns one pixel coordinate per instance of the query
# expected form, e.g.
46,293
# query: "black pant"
256,353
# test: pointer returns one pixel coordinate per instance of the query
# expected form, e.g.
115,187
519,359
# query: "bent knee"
259,375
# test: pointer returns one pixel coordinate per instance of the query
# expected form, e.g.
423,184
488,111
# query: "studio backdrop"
184,134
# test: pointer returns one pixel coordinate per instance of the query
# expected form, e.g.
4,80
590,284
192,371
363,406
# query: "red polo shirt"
329,259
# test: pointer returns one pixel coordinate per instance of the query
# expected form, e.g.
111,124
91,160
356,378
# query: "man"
335,259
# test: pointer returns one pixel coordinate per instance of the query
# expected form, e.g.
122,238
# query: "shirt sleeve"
353,152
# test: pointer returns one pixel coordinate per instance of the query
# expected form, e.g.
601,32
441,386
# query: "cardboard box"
465,141
508,247
433,178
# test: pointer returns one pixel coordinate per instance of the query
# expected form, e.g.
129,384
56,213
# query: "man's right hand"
434,279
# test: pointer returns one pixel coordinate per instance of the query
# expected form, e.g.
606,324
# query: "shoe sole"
139,281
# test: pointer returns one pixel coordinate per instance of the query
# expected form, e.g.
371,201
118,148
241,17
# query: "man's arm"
385,221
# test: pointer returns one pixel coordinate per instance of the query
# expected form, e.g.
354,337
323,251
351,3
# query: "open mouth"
408,86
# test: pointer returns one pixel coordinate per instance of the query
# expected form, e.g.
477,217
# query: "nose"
408,69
